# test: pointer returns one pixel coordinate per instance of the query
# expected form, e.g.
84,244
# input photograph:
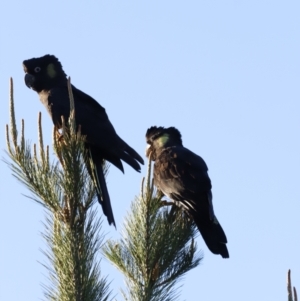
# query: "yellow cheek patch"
51,70
163,140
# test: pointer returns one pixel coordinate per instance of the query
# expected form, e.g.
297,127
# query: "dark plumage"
182,176
45,75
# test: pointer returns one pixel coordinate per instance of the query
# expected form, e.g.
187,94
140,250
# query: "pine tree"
156,249
72,228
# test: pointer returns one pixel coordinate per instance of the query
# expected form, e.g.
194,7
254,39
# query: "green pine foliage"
72,226
156,249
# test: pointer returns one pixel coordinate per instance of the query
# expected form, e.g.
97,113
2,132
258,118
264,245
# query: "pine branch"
156,249
292,293
72,228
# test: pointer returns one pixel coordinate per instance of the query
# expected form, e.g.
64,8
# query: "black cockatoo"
46,76
182,176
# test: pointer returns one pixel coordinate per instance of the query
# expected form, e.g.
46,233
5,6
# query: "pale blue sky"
225,73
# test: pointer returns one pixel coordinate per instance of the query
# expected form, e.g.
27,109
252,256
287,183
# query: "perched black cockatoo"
46,76
182,176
